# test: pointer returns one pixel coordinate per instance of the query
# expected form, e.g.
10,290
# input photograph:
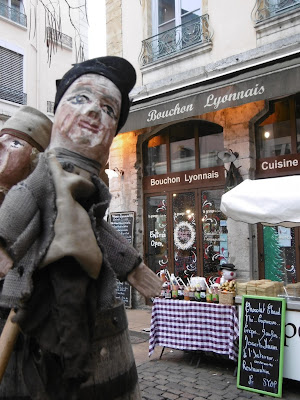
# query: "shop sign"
215,94
292,345
288,164
196,178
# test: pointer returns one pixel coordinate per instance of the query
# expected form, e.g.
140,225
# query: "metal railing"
13,14
15,96
59,37
175,40
50,107
269,8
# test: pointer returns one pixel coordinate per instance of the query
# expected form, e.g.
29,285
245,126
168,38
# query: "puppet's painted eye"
79,99
16,144
109,111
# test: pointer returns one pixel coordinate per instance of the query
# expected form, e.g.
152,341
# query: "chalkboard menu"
262,335
124,293
123,222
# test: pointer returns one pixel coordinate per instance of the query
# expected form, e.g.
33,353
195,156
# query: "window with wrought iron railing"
269,8
175,40
58,37
11,9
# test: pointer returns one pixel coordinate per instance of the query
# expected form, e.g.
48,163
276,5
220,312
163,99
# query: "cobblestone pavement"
182,376
177,376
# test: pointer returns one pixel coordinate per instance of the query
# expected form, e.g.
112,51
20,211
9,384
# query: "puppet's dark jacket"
27,219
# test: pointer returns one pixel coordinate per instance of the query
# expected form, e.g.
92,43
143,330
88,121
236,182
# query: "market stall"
273,201
191,325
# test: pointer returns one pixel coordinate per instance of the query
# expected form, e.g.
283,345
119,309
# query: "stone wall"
114,27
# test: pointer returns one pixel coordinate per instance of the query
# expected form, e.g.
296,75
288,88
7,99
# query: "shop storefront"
278,154
256,113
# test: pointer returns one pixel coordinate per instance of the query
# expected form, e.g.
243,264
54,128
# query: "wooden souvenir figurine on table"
61,258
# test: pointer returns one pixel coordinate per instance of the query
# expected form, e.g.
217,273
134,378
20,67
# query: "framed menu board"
262,334
123,222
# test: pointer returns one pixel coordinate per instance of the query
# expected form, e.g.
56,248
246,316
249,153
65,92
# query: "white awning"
272,201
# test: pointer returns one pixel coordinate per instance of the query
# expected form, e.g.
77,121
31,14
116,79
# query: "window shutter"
11,76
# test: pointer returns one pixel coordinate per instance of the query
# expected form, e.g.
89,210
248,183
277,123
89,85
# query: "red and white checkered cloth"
189,325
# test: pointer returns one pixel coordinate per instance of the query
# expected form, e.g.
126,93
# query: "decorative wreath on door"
192,233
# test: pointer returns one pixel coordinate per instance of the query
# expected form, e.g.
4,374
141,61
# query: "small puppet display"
61,258
227,272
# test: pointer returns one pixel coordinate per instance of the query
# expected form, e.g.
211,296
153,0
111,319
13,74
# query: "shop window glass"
209,147
175,149
214,232
182,148
184,223
157,233
156,156
280,254
297,105
274,133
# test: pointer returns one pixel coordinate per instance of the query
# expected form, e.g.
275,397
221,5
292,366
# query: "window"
278,133
182,147
170,13
11,76
13,10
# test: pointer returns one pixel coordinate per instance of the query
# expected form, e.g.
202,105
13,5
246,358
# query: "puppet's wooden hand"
145,281
6,262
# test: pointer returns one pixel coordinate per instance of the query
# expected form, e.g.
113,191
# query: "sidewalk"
178,376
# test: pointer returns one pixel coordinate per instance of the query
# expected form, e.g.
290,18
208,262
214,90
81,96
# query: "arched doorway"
184,179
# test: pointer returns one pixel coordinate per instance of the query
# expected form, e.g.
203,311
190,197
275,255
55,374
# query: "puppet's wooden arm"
145,281
6,262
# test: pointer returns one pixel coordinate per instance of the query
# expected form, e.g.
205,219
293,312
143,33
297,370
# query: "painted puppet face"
87,117
15,163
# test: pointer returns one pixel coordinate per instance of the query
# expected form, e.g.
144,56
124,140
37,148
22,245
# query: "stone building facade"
217,91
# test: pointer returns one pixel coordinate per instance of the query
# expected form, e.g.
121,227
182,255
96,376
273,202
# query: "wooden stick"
8,339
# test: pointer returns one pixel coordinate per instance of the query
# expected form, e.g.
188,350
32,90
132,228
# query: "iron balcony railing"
50,107
176,40
13,14
15,96
59,37
269,8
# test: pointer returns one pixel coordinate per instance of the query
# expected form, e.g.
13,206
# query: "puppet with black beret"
60,257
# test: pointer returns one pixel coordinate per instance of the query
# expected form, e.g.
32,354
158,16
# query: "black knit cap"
116,69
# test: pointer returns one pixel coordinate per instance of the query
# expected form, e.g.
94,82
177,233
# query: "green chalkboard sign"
262,332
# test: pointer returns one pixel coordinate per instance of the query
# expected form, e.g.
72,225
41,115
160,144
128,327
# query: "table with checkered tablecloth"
190,325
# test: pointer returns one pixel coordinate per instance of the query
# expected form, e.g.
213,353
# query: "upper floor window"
269,8
11,76
279,132
13,10
170,13
184,146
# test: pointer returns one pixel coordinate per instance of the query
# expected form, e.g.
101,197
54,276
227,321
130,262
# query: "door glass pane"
166,10
182,147
280,254
185,252
157,234
274,133
155,156
209,147
214,232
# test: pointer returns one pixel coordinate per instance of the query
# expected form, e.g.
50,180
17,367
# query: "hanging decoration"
187,226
